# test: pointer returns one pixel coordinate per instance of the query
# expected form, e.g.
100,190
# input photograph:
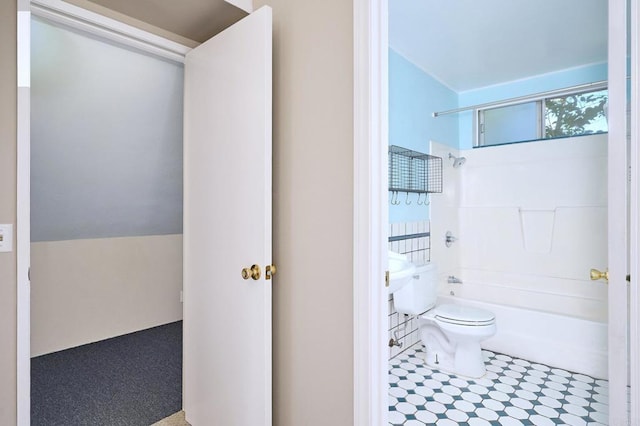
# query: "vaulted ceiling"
468,44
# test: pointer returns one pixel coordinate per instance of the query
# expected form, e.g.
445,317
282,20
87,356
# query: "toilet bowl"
450,333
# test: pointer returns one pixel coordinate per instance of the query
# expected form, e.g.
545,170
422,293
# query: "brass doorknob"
253,272
599,275
270,271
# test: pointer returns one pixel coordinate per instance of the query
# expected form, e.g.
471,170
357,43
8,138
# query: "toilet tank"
420,294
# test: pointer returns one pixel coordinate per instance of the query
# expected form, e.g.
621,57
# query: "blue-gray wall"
106,139
413,96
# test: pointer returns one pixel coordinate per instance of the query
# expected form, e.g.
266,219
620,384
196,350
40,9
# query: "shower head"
457,161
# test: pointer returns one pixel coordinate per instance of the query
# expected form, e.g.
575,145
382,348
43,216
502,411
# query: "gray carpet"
130,380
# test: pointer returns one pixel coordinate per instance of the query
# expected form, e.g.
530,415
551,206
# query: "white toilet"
450,333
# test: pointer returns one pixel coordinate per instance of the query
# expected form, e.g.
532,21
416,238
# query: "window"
555,116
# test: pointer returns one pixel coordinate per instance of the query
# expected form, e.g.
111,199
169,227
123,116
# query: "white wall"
87,290
532,222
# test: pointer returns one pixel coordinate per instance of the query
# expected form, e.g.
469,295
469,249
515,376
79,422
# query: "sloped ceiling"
197,20
468,44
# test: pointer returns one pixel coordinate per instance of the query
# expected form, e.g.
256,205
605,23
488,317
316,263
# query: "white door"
618,210
227,226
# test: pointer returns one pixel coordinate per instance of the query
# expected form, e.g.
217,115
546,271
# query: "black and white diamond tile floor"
513,392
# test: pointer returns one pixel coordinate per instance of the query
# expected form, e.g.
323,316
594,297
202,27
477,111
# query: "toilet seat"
463,315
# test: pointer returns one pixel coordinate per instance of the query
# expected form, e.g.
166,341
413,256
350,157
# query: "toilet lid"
464,315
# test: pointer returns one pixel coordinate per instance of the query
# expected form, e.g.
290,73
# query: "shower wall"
531,222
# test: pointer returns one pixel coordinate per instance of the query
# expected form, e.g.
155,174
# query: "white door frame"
103,27
617,217
23,217
370,209
634,222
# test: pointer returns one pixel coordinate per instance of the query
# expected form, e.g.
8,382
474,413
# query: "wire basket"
413,171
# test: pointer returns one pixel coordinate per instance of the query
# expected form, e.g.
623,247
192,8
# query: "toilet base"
467,362
454,355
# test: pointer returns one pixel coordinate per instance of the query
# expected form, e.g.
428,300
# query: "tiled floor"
513,392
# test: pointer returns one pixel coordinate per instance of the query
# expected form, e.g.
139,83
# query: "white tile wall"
530,220
418,250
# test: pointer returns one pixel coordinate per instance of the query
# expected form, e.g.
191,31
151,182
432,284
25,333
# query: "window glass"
511,123
576,114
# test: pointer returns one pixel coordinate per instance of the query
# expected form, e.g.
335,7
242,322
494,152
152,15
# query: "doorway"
377,43
106,225
212,87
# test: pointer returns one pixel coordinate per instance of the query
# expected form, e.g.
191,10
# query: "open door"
227,226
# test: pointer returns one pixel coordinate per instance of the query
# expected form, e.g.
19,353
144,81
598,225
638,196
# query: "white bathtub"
570,343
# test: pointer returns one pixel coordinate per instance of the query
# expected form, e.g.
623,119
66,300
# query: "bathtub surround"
413,240
533,219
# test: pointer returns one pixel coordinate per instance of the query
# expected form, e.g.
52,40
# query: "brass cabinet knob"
599,275
253,272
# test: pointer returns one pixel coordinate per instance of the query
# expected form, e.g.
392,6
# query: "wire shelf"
413,171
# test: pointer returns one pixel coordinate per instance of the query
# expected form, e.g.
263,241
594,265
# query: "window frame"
540,103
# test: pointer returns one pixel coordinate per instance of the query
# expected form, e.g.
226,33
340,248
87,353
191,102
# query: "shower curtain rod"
534,97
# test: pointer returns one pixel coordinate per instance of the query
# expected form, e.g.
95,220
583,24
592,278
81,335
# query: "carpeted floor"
130,380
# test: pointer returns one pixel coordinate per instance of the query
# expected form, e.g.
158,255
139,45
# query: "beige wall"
313,184
8,210
83,291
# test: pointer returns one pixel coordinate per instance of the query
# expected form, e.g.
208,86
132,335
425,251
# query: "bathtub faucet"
453,280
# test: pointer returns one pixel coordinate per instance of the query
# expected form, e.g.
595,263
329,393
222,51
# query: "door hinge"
386,278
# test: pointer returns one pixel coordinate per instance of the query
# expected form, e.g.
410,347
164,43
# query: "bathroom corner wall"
403,328
413,97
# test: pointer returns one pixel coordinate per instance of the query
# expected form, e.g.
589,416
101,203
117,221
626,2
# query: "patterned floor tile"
513,392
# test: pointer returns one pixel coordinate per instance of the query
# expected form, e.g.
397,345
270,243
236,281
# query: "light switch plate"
6,237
